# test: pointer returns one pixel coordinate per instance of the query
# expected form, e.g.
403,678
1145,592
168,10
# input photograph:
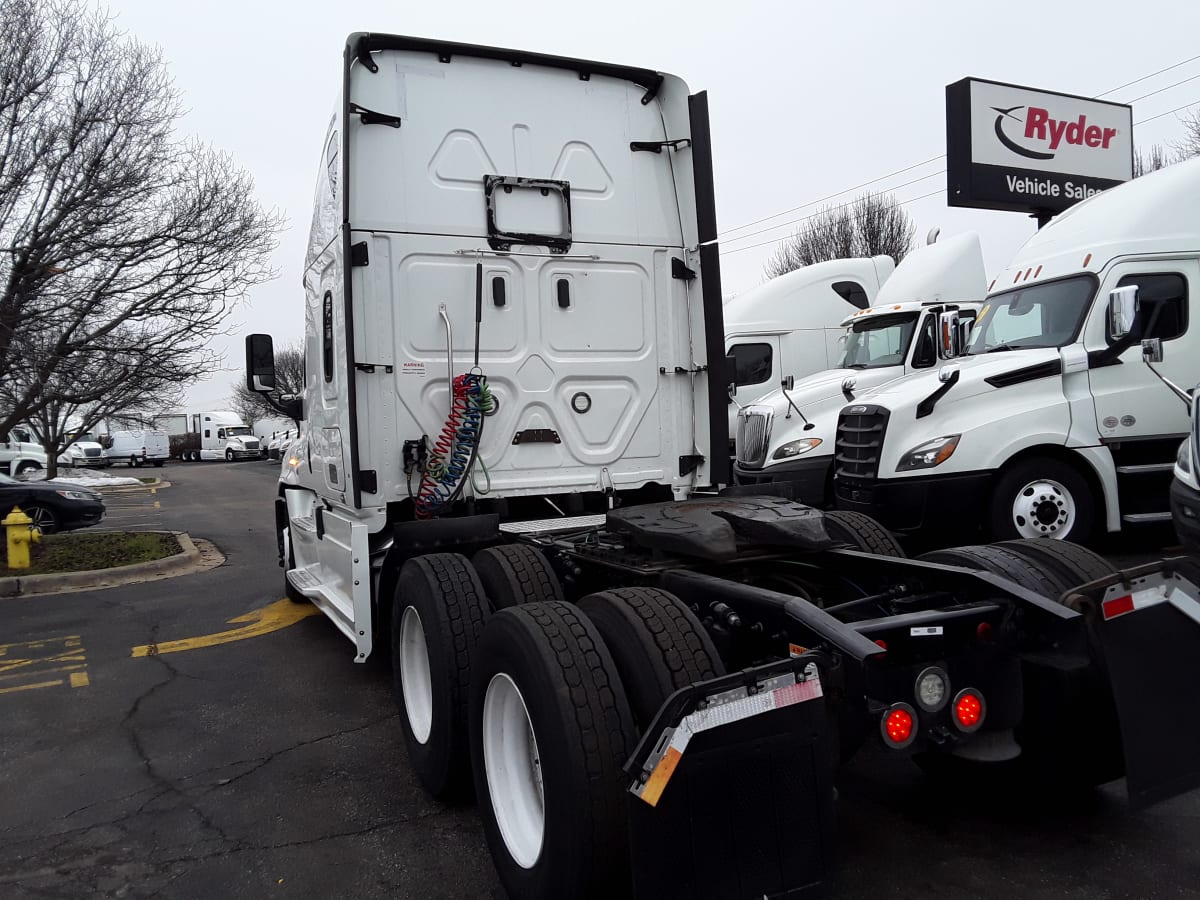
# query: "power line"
723,234
1151,75
828,208
1167,88
835,194
777,240
1167,113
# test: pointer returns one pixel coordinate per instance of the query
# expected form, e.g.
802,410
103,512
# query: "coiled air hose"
457,447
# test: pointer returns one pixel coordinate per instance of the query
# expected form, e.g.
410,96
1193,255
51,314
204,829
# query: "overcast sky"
807,99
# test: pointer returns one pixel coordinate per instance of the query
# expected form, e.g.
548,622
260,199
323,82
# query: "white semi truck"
21,453
1051,425
216,435
914,325
514,421
789,325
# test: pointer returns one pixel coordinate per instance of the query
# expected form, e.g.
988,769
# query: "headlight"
1183,458
294,462
795,448
929,454
75,495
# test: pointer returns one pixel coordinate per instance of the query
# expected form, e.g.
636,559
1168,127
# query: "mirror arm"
808,426
1175,389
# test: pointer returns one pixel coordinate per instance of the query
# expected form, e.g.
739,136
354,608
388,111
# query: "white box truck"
914,325
138,448
790,324
514,421
1051,425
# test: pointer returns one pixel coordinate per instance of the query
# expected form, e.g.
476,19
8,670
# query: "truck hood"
1005,369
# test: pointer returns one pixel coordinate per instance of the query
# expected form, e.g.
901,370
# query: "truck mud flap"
732,789
1147,622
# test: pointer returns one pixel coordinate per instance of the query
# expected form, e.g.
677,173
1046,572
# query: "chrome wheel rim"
1044,509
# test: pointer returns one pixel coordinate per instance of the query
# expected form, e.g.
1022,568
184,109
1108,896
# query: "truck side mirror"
788,383
260,363
1122,311
949,345
731,374
1152,350
965,327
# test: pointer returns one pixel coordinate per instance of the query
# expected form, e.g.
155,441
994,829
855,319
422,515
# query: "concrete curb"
52,583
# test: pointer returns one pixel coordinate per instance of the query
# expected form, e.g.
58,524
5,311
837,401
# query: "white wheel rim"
514,771
415,683
1043,509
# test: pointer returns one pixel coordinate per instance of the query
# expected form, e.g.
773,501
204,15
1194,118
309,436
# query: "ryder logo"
1040,135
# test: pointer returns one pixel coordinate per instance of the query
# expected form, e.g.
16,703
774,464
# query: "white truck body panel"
145,446
21,452
569,191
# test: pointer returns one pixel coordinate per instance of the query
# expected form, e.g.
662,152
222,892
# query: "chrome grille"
91,451
859,441
753,434
251,445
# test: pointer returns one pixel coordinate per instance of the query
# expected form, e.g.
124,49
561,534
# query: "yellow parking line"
40,643
79,679
157,504
30,687
272,617
43,671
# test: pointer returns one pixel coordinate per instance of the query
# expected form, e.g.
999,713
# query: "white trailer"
914,325
514,424
790,324
1051,425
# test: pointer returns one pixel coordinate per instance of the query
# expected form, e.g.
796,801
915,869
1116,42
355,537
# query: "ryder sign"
1027,150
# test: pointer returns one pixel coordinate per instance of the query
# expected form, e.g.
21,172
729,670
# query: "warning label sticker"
413,368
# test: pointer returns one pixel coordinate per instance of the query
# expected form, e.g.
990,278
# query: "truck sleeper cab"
535,566
788,437
1051,425
788,325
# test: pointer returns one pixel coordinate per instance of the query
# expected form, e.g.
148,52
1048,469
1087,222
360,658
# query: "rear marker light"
881,644
969,710
899,726
983,631
932,689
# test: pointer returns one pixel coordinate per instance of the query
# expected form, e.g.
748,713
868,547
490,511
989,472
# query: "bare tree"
289,380
1151,160
123,248
870,225
1189,145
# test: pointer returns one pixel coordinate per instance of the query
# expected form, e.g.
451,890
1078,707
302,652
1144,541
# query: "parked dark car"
53,507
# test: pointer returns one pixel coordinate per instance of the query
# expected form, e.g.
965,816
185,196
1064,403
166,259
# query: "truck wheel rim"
415,682
1043,509
514,771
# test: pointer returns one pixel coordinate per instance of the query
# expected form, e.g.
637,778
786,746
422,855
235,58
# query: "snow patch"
85,478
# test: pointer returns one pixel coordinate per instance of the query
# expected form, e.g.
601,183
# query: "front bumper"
810,476
82,516
244,454
936,503
1185,515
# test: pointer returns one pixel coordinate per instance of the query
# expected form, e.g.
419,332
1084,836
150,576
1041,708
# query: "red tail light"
899,725
969,710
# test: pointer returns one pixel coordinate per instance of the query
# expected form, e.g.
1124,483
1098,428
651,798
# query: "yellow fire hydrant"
21,534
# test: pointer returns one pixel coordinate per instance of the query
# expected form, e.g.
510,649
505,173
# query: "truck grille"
753,434
859,441
251,445
91,451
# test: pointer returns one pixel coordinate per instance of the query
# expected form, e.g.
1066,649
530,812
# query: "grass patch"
103,550
149,479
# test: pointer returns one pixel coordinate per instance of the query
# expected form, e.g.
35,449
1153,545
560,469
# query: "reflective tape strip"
722,709
1165,592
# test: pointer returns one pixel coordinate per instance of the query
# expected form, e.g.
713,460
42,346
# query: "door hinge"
537,436
681,271
688,464
371,367
368,481
680,370
370,117
359,255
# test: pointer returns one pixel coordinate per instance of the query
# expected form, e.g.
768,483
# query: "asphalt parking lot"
253,758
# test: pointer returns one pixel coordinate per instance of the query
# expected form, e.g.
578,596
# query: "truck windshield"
1044,315
877,342
236,430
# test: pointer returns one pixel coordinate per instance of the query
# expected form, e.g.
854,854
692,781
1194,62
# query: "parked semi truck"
515,420
215,435
789,325
915,324
1051,425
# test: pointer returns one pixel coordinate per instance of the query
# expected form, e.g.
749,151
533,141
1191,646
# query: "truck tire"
1042,498
1075,564
513,574
228,455
27,466
1004,562
437,617
657,643
861,532
134,462
550,728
